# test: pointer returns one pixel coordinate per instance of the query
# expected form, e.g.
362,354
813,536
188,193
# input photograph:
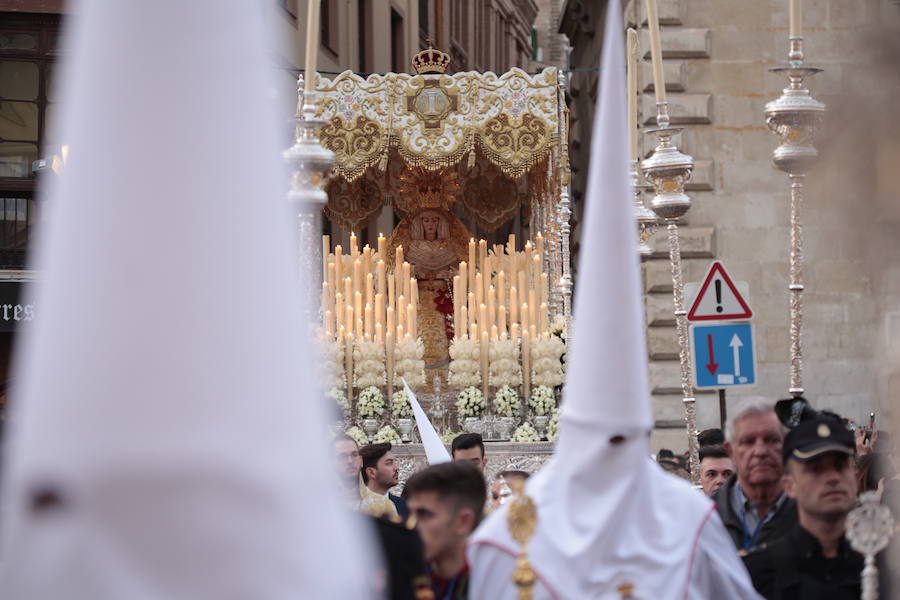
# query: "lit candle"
379,309
545,318
659,84
501,319
539,245
354,250
526,362
532,307
398,257
382,242
485,353
348,294
411,320
524,315
367,259
401,311
514,331
535,270
513,304
389,355
381,272
331,277
406,271
326,250
482,253
392,291
400,334
473,331
460,329
390,319
631,76
796,22
545,288
482,318
357,275
326,296
339,309
359,328
368,323
348,318
379,333
340,334
493,332
312,45
472,266
338,263
491,307
456,300
473,309
370,289
479,288
357,308
463,279
501,288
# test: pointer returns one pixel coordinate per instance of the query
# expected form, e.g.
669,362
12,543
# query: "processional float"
456,157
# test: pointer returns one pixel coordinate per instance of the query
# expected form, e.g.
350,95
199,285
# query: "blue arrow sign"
723,355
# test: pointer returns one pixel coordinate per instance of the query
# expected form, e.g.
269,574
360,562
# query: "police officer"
814,561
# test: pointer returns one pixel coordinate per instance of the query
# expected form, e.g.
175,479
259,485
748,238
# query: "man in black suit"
381,472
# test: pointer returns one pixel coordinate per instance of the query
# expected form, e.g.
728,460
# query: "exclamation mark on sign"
719,307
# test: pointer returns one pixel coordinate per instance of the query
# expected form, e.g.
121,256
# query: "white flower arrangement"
368,364
400,406
470,402
340,398
409,363
506,402
465,356
526,433
447,438
546,361
553,426
504,368
558,325
386,434
358,435
370,403
331,363
542,401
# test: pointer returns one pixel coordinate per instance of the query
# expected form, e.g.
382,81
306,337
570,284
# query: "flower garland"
340,399
504,368
409,363
447,438
400,406
542,400
357,435
546,361
506,402
465,355
470,402
553,426
368,364
370,403
526,433
386,434
331,363
558,326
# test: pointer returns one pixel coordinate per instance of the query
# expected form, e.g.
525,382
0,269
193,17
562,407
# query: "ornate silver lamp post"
869,529
646,218
668,170
311,164
795,117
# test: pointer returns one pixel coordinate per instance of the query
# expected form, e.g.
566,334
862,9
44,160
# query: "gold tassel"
472,157
382,164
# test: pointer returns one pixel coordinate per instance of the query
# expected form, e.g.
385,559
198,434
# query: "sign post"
721,334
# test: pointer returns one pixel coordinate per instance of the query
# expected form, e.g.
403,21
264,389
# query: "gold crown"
431,60
420,189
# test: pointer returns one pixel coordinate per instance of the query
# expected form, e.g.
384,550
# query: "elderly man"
814,559
752,503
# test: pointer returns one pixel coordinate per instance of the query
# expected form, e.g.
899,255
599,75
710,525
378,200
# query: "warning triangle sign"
718,298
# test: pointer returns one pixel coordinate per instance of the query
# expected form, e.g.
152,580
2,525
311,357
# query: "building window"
424,29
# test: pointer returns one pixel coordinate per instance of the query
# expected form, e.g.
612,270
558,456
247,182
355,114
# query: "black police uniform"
793,568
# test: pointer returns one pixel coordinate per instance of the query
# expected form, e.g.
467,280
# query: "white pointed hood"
435,450
607,516
162,443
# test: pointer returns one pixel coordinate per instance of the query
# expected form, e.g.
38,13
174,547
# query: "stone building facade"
717,54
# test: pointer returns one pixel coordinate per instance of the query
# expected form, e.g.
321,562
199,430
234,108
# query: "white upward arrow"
736,345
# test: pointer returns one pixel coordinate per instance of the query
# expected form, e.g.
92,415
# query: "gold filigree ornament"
421,189
357,144
521,518
486,181
516,146
352,204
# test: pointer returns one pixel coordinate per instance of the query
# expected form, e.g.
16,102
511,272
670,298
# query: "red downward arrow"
712,365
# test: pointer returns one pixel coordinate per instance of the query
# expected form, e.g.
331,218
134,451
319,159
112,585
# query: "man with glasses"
348,463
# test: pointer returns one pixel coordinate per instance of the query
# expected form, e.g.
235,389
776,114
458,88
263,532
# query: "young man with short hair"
814,560
381,472
469,447
715,468
447,501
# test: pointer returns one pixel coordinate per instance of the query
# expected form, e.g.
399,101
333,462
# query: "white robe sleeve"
491,577
717,571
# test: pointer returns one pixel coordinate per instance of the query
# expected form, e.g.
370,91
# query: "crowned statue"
434,242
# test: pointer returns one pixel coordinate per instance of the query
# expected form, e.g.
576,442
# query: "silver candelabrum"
311,164
796,118
668,170
646,219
